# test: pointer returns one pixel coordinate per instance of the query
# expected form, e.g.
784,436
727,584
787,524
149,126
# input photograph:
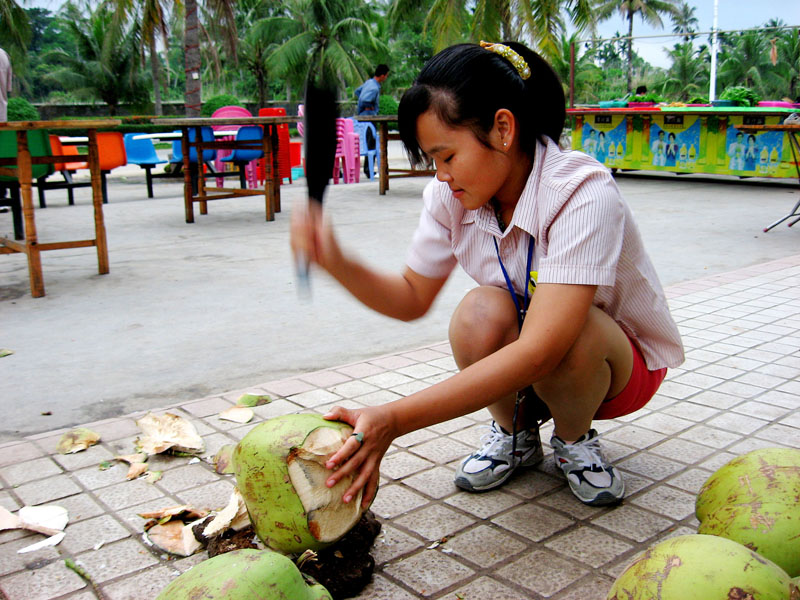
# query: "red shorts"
641,387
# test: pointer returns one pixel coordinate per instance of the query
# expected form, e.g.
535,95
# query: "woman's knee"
483,322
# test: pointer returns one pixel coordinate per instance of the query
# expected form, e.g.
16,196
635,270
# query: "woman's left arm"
556,315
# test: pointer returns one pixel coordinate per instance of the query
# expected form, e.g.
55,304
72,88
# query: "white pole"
712,84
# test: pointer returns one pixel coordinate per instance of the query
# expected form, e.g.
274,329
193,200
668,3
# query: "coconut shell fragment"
77,440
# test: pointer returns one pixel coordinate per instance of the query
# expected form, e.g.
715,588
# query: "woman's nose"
442,174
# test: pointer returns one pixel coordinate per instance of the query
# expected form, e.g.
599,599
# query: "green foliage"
387,105
742,95
698,100
648,97
212,104
20,109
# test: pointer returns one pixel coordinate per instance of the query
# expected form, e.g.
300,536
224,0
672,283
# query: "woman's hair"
465,85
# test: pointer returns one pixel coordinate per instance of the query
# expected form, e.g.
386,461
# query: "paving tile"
420,371
117,559
185,477
412,387
415,437
716,399
434,522
30,470
49,581
314,398
388,379
92,533
532,483
143,585
211,496
393,362
533,522
589,546
276,408
690,480
633,523
731,421
486,587
353,389
672,503
448,427
288,387
436,483
709,436
428,572
359,370
128,493
542,572
377,398
392,543
394,500
635,436
93,478
484,505
207,407
8,502
761,410
47,490
442,450
19,452
13,561
402,464
381,588
90,457
485,546
781,434
114,429
591,587
682,451
650,465
565,501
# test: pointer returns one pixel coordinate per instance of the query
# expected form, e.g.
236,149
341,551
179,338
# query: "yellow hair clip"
511,56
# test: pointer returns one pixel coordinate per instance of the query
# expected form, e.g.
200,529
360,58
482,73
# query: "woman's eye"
449,158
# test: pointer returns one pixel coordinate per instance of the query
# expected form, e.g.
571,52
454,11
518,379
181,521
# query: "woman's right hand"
311,236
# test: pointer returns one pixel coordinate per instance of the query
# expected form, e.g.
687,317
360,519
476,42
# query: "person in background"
368,94
5,87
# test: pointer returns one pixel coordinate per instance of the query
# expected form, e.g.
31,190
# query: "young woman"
568,305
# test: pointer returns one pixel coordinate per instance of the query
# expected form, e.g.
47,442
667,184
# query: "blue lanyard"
521,310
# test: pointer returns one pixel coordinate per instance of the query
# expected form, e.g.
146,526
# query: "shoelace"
587,453
490,440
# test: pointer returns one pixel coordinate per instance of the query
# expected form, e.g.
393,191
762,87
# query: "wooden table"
31,246
385,173
792,131
271,191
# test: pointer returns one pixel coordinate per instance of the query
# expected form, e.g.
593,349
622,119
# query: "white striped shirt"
584,233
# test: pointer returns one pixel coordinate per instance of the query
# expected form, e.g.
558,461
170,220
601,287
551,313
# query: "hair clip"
511,56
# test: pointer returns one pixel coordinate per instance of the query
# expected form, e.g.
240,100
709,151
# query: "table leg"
275,149
26,195
187,176
794,144
97,201
269,176
201,169
383,132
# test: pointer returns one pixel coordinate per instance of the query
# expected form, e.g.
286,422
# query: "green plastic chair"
39,145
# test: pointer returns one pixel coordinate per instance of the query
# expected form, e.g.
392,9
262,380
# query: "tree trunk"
191,45
156,77
630,52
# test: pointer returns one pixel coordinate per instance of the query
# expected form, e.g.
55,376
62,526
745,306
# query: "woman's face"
474,173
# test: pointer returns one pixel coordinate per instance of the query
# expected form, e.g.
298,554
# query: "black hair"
465,85
381,70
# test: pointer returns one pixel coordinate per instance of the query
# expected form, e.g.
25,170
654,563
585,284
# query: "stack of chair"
347,157
284,157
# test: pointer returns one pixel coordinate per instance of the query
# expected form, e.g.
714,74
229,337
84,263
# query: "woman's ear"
505,129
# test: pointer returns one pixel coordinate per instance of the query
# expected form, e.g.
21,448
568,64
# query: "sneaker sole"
602,499
464,483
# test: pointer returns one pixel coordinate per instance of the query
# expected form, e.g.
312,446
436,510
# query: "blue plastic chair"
206,135
142,152
242,157
373,157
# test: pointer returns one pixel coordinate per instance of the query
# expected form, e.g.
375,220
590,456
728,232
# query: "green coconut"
280,472
755,500
245,575
704,567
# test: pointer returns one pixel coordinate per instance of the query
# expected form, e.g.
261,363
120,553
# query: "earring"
505,144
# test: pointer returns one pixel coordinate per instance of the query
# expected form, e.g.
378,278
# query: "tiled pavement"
737,391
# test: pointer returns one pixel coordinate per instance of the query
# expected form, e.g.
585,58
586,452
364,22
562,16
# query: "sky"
732,14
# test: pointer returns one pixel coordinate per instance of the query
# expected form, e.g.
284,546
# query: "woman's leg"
485,321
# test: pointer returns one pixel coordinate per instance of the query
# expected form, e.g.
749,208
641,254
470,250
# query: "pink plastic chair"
230,111
347,151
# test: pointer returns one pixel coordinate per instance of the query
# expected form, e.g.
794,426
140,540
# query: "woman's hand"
311,236
363,458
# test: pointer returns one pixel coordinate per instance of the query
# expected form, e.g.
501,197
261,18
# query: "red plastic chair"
284,156
222,112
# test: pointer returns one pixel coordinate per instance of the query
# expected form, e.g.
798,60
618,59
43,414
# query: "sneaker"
590,477
493,464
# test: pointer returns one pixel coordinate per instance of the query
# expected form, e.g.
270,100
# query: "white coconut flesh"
328,517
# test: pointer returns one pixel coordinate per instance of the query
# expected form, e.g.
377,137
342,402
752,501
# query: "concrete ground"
192,316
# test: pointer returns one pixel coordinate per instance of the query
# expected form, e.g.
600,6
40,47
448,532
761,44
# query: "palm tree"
329,38
588,75
106,65
649,10
684,21
746,62
15,28
688,75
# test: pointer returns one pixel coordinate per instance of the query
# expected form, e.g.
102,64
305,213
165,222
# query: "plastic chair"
284,157
66,170
222,112
142,152
243,157
347,152
206,135
373,156
301,128
111,149
39,145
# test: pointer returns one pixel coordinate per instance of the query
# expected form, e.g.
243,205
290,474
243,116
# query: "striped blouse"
584,233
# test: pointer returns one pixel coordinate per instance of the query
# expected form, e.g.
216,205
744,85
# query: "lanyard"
521,310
